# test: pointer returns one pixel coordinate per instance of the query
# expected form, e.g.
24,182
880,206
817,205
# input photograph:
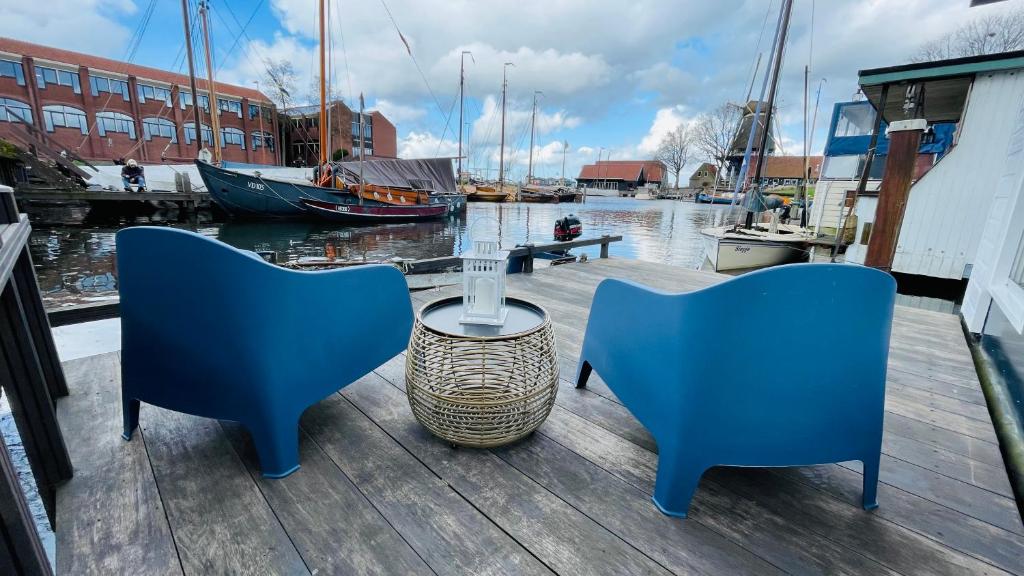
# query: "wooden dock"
377,494
187,200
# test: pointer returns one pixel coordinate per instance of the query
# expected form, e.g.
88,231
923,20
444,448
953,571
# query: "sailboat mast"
565,146
211,89
323,89
192,74
501,154
462,93
362,147
533,127
803,185
780,49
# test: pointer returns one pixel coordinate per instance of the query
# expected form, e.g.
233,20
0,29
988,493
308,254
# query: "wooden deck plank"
333,526
110,517
220,520
551,529
446,531
961,392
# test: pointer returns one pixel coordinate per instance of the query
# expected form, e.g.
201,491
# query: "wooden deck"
377,494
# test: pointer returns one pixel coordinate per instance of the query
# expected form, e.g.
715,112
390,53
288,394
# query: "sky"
614,77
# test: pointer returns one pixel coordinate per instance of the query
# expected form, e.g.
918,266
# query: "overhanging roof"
946,84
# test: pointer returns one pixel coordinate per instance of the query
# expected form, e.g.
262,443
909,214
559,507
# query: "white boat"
728,248
601,192
644,195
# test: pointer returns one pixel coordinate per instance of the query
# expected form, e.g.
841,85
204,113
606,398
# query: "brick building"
785,170
105,110
302,134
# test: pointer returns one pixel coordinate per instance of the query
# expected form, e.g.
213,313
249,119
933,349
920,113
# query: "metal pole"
806,173
780,48
565,146
362,148
501,154
533,127
211,89
323,93
462,95
263,137
192,76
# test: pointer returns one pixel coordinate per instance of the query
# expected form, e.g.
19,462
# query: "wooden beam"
904,139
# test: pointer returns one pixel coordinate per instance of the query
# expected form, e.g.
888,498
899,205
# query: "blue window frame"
99,84
149,92
190,133
45,75
12,69
115,122
232,136
11,110
160,128
56,115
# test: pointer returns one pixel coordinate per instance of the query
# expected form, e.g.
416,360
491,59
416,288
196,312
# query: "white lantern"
483,281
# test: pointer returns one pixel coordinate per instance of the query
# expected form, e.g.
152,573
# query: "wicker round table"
481,386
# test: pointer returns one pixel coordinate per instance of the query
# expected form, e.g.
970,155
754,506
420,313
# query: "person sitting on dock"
132,173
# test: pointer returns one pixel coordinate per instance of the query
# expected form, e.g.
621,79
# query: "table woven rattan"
481,386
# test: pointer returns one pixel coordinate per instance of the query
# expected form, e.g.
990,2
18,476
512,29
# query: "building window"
190,133
154,93
64,116
12,69
15,111
186,100
115,122
232,136
46,76
230,106
258,139
158,127
99,84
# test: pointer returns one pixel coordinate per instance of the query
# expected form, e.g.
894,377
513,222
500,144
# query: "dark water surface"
73,248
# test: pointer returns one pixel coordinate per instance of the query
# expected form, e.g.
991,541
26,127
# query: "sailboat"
758,245
362,191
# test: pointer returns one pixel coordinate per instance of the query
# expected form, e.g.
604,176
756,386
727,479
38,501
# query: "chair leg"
869,499
583,374
675,485
277,445
130,408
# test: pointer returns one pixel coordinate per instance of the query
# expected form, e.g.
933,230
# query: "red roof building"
621,174
786,170
103,109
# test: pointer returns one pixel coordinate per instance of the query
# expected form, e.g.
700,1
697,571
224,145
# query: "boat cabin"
968,104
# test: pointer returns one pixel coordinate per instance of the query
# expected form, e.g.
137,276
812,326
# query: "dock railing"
32,379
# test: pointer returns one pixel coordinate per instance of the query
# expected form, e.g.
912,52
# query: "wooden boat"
720,198
255,196
492,193
537,194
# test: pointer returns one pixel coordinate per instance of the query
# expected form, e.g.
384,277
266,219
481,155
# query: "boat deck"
377,494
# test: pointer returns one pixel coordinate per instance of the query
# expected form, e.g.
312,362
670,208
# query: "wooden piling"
904,139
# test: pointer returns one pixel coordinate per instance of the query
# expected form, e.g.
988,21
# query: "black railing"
32,379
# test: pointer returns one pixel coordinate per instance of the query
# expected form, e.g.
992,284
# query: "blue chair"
213,331
780,367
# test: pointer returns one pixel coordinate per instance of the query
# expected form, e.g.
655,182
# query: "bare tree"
279,81
714,131
674,150
985,35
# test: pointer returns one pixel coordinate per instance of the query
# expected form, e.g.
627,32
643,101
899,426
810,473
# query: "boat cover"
434,174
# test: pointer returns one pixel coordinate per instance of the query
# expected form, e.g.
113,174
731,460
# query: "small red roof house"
621,174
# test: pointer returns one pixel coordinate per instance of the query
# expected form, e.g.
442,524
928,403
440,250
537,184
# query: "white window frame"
1006,293
147,130
64,111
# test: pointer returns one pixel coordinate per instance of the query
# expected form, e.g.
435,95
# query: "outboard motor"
568,228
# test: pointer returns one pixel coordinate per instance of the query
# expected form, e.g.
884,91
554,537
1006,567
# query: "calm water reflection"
73,248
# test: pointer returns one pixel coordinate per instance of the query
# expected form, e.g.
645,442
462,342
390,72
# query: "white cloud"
399,113
425,145
89,26
665,120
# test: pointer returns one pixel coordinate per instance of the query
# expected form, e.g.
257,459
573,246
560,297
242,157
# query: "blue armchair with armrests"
781,367
214,331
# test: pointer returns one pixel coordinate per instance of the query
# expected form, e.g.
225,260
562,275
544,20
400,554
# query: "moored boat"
253,195
730,248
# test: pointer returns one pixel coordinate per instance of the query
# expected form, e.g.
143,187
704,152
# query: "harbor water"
74,250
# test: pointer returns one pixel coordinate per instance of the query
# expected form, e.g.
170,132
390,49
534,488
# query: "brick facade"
302,133
115,145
